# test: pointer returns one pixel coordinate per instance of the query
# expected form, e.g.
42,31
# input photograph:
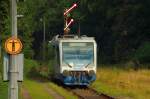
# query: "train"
75,59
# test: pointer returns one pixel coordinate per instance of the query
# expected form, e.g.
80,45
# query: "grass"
61,91
114,81
3,85
36,90
3,88
123,83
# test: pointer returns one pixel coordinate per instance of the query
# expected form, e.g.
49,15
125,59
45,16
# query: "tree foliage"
120,27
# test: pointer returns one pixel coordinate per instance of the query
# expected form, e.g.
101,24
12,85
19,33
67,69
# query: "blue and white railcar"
76,59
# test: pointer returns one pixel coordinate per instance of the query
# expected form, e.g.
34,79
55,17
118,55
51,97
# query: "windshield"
78,54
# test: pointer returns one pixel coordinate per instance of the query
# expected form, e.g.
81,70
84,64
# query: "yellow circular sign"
13,45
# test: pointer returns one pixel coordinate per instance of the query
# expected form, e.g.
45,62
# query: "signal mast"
67,19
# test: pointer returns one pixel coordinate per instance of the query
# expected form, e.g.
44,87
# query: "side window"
57,56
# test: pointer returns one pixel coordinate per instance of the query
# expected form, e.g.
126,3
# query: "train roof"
56,39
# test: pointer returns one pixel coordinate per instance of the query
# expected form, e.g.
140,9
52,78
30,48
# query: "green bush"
34,69
143,53
28,65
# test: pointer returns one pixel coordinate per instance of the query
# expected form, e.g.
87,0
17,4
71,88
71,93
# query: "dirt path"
25,94
53,92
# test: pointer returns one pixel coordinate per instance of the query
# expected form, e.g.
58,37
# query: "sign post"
13,61
13,73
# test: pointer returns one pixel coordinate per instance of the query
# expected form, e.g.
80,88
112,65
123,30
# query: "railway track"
88,93
84,92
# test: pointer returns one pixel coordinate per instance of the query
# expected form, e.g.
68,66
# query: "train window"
78,53
57,56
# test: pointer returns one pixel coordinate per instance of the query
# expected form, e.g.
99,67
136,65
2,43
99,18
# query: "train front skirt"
78,78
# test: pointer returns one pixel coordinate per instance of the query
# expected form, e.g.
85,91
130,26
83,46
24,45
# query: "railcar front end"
76,60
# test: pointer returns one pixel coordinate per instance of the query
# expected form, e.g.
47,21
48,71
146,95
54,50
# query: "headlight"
65,73
71,64
91,72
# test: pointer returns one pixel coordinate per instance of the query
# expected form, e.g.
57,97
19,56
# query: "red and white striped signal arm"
71,21
70,9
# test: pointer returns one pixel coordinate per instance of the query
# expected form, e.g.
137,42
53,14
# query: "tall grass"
123,83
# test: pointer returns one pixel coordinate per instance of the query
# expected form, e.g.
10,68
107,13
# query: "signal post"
66,16
13,83
13,63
